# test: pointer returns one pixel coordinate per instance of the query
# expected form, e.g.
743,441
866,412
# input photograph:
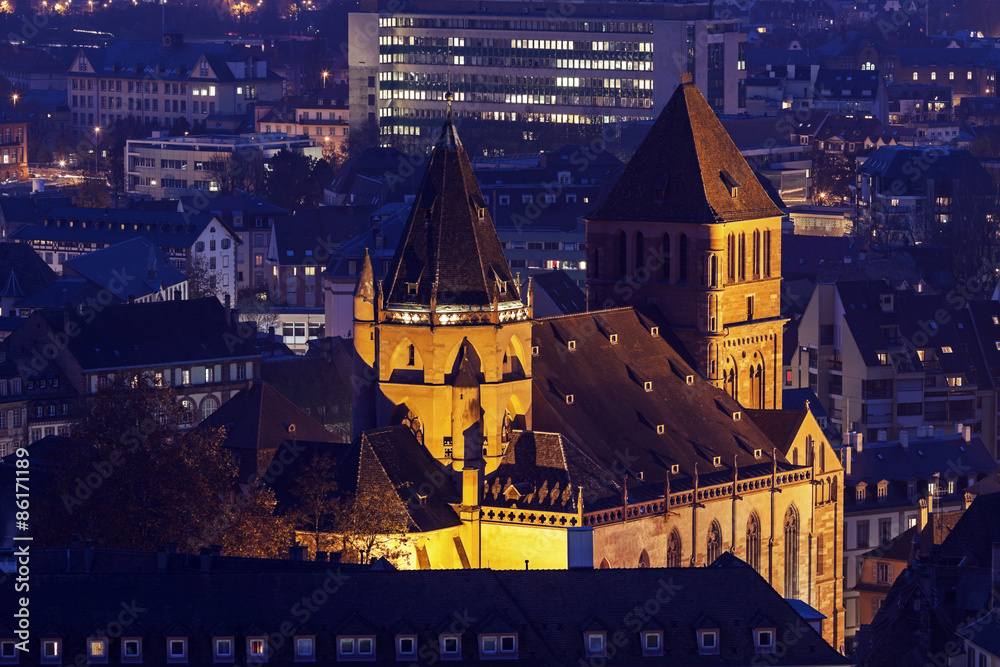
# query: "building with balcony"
887,358
891,486
505,62
908,195
159,83
163,167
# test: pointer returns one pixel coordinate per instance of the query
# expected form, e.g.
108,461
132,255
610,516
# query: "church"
646,432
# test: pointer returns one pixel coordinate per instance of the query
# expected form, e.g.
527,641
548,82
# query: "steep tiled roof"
260,418
780,426
22,271
134,268
614,418
685,170
547,609
144,334
98,225
450,251
562,290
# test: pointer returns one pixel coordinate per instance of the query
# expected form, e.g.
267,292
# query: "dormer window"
222,649
177,649
406,646
97,650
708,642
648,386
356,648
654,331
689,380
451,647
493,646
571,344
717,461
737,415
534,350
51,651
594,644
763,639
660,429
757,453
132,649
613,338
411,288
883,491
860,493
652,643
257,649
569,399
675,469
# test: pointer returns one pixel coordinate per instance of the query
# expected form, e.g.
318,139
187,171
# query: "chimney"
162,558
922,514
216,549
335,556
88,555
74,540
859,441
966,433
904,439
847,451
297,552
206,559
959,428
172,547
321,556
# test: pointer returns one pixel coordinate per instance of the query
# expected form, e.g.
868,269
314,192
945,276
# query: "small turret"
364,292
466,414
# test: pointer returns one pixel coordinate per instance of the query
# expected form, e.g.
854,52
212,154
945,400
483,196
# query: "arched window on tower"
756,253
731,258
742,261
640,258
714,544
713,271
622,254
644,559
791,553
666,258
767,253
674,549
682,258
753,542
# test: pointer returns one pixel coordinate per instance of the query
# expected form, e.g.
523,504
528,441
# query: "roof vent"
654,331
717,461
674,469
534,350
422,499
613,338
290,427
689,379
569,399
648,386
757,453
571,344
737,416
639,475
660,429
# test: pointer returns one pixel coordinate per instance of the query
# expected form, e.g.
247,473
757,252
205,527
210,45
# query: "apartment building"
886,358
159,83
323,115
13,144
891,486
506,62
163,167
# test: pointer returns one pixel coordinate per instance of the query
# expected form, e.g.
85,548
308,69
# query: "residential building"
821,220
133,271
891,486
602,63
514,417
13,143
907,196
163,167
322,114
885,358
26,274
851,91
979,111
910,102
689,228
30,68
194,609
159,83
192,346
937,602
197,242
251,219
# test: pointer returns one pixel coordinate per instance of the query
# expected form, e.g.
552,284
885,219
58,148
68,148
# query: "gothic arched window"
622,254
731,258
640,258
714,542
791,553
682,258
674,549
753,542
644,559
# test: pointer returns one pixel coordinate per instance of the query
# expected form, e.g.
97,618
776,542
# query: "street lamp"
97,148
14,97
325,74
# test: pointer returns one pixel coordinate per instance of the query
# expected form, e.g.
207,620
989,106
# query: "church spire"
364,292
449,246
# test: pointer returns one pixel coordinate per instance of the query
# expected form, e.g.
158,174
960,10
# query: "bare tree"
256,306
373,523
243,169
315,490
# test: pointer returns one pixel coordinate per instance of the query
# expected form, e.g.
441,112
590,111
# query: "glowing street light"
325,74
14,97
